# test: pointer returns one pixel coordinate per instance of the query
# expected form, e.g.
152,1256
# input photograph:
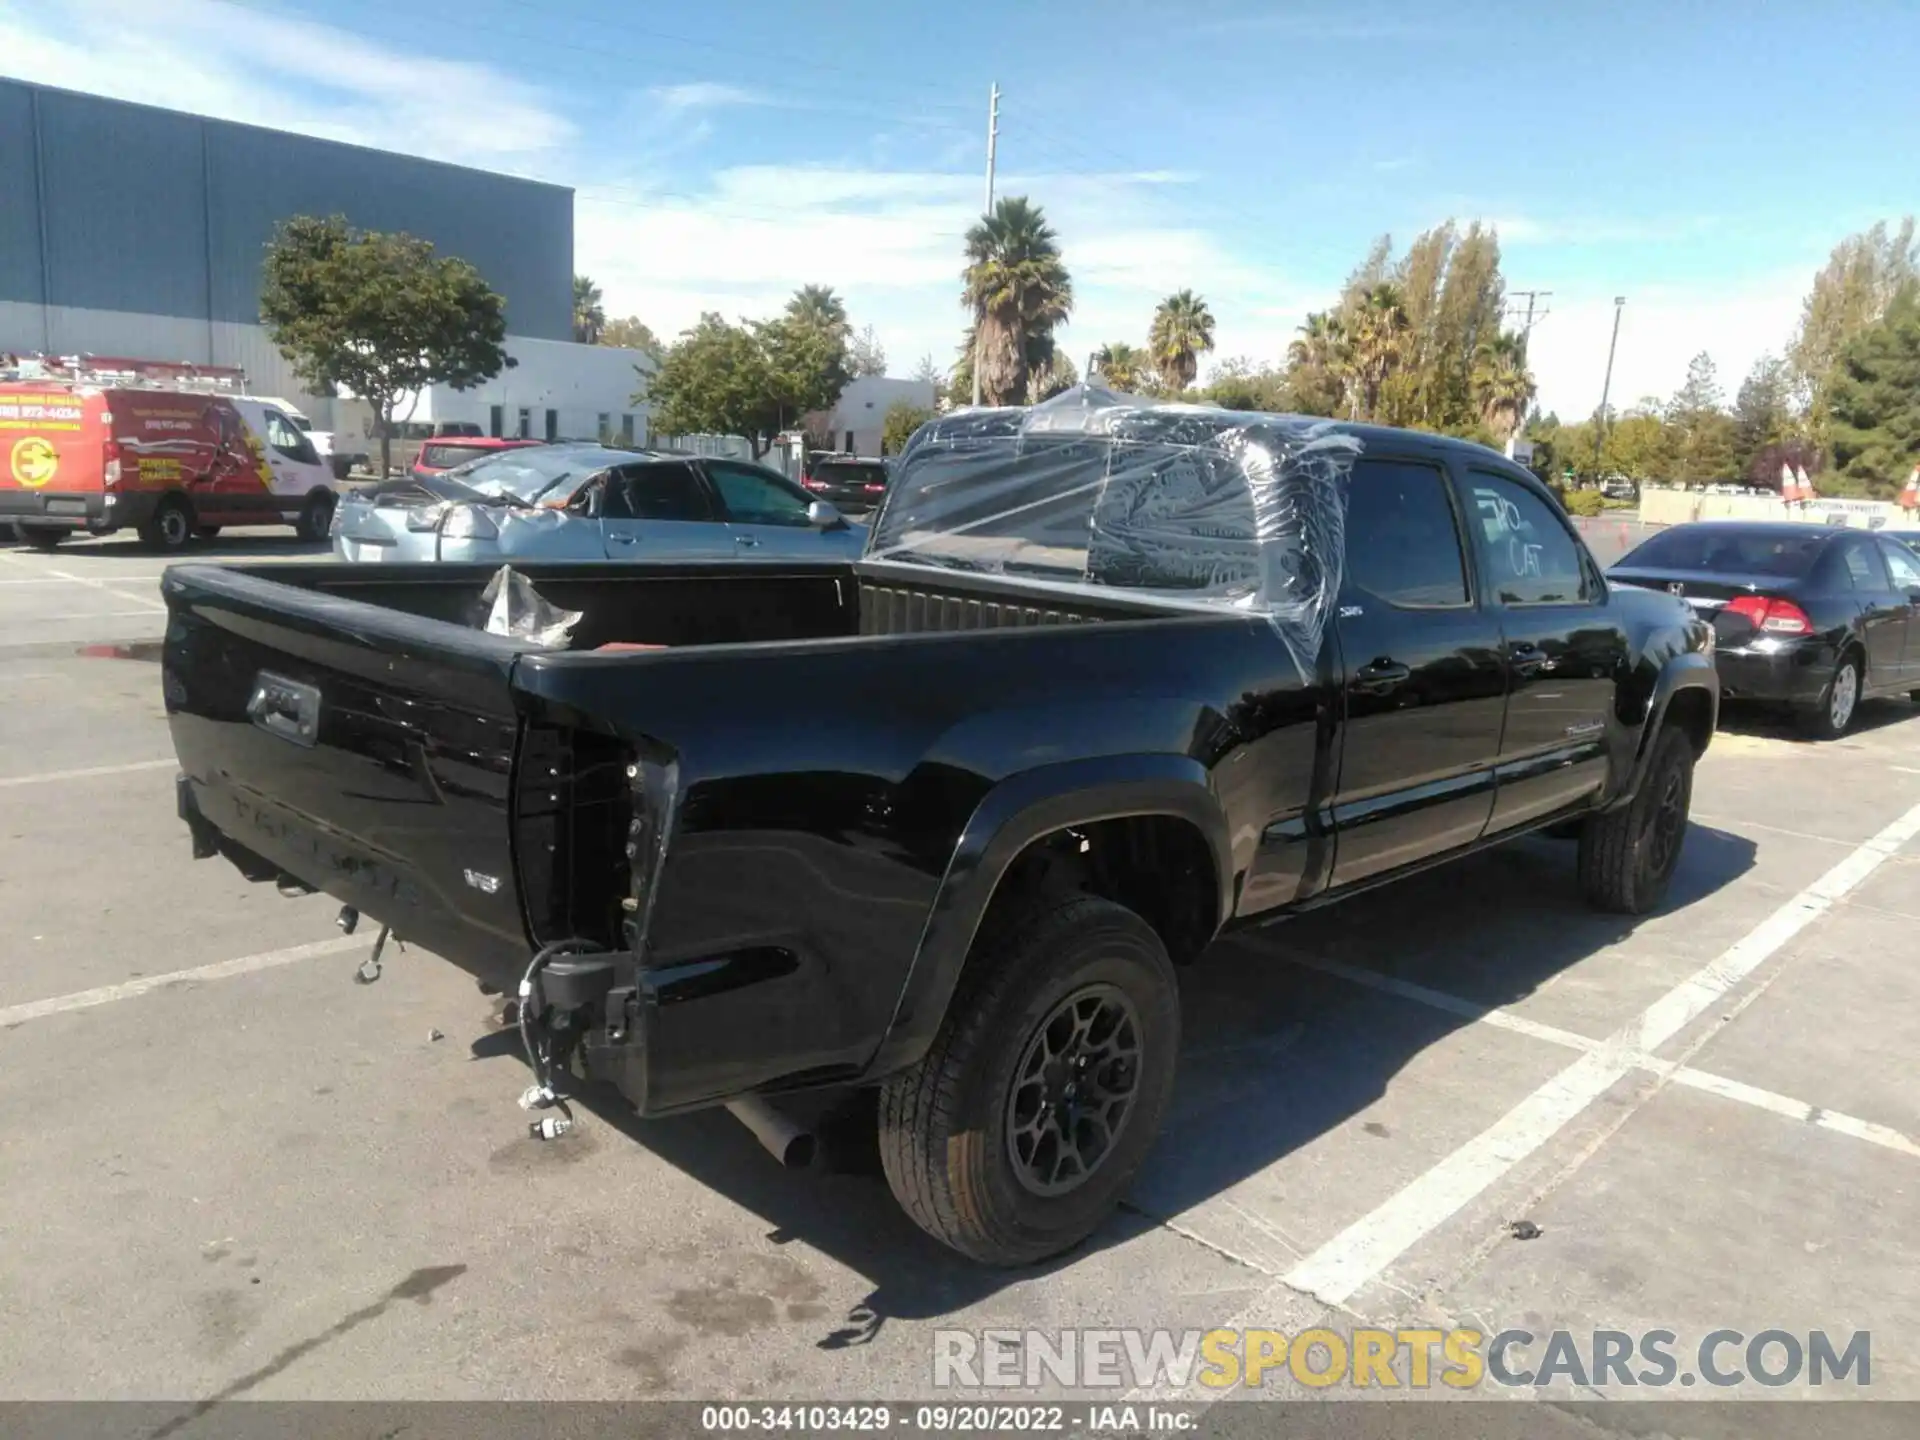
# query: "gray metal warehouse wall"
160,219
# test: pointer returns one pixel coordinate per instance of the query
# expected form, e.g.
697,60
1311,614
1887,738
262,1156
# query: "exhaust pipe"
787,1142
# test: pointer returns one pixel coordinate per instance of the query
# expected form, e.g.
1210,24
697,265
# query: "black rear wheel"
170,528
316,517
1018,1132
40,537
1831,716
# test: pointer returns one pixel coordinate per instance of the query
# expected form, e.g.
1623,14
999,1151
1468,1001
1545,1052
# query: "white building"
555,390
861,414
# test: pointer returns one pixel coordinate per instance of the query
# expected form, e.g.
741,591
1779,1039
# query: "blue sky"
1699,158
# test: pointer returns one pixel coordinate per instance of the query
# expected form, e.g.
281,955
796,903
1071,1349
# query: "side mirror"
823,516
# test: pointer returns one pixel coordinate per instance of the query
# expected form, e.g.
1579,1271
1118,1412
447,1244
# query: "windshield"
537,473
851,472
1732,552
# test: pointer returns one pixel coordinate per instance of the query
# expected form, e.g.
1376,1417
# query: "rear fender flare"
1015,813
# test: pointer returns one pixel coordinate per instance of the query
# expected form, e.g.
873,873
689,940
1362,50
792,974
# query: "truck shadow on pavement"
1276,1054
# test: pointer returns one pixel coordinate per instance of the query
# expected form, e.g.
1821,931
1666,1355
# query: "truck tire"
40,537
316,517
1831,716
170,528
1628,856
990,1142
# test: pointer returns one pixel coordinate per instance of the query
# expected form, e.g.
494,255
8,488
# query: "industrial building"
128,230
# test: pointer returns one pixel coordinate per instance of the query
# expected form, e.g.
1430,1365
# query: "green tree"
1502,386
1703,434
902,420
1239,384
960,379
755,380
927,372
1763,418
1121,366
820,307
1181,333
1050,373
1850,293
378,315
632,333
1378,339
1876,401
1018,291
1320,365
589,317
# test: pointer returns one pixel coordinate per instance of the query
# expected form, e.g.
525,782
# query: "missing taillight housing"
1771,616
110,467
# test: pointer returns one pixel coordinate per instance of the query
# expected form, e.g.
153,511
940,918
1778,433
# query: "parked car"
943,819
586,501
847,480
1813,617
1618,487
171,464
440,455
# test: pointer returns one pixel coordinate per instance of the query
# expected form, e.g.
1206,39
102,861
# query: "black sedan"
1813,617
846,481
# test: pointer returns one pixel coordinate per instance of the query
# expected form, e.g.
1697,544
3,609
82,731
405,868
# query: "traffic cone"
1910,496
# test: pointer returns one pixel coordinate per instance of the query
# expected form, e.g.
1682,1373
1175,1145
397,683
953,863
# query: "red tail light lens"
873,489
813,484
1772,617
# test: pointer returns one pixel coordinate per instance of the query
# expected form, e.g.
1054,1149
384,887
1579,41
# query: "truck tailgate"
365,751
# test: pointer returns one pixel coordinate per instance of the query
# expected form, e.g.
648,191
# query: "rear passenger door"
1423,685
1904,570
1565,648
1855,562
660,510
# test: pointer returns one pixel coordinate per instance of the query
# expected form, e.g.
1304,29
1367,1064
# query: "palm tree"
1121,366
1502,385
1018,289
817,305
589,318
1321,360
1379,334
1182,332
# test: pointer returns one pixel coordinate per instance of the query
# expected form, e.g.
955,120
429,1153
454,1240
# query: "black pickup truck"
1110,679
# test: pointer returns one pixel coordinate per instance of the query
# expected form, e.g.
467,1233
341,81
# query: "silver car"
589,502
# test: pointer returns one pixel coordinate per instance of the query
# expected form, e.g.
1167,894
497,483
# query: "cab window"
289,439
757,497
1529,557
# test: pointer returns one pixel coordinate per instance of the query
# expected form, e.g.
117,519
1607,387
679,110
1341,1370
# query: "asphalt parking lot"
231,1172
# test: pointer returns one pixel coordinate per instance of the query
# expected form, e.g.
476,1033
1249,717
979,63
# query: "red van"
80,455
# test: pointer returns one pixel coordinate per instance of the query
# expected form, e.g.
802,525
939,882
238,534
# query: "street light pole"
1606,385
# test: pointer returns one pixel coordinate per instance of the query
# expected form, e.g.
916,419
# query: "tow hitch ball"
369,971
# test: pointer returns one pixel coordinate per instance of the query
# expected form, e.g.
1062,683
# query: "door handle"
624,539
745,540
1378,677
1529,659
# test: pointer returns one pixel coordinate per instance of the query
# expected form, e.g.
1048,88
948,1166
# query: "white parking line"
220,970
100,585
87,773
1365,1248
1841,1124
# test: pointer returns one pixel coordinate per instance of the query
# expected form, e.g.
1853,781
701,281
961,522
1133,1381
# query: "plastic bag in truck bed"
1093,489
511,606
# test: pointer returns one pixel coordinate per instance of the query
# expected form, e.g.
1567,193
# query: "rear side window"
1905,567
657,492
1402,543
1744,552
1862,560
844,472
1530,557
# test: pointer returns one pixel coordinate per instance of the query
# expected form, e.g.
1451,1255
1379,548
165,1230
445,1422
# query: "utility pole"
1606,385
1526,326
993,138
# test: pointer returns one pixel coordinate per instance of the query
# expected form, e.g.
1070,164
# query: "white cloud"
705,95
233,63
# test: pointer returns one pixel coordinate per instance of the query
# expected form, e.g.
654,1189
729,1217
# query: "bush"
1585,503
